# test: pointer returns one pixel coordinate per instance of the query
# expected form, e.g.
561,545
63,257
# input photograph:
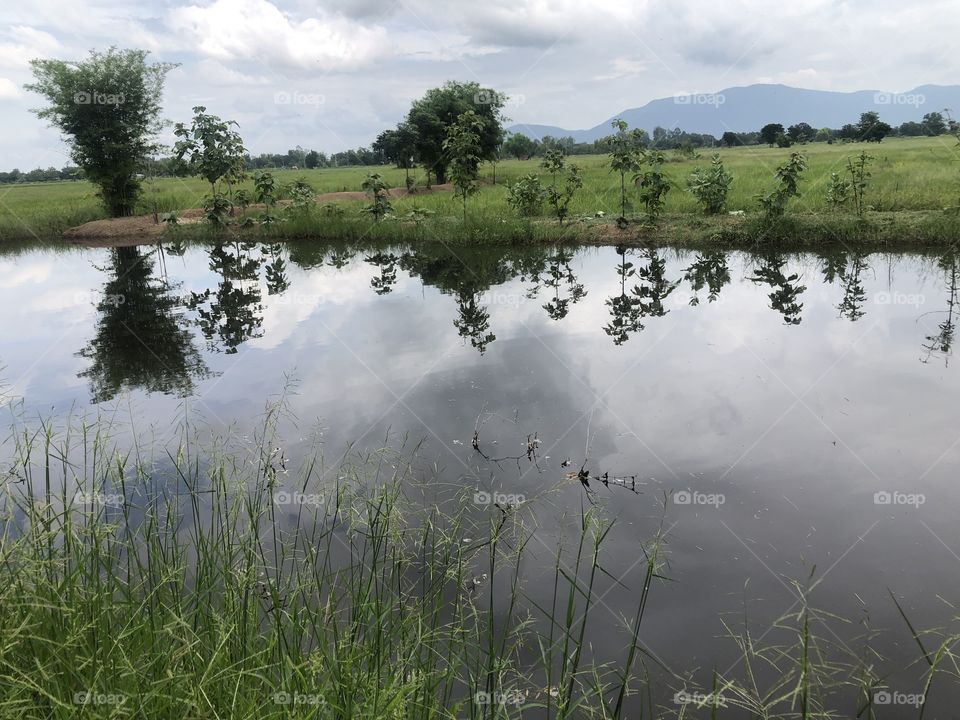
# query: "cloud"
256,29
623,67
8,89
21,43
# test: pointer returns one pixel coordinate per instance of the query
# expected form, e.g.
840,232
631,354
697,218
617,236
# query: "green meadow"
913,192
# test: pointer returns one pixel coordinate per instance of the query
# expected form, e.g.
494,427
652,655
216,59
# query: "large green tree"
433,115
519,146
108,106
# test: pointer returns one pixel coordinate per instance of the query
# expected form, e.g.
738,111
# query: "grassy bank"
915,182
214,581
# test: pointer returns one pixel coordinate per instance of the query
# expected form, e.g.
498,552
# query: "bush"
710,187
526,196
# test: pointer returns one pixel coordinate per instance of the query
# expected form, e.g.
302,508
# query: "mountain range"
746,109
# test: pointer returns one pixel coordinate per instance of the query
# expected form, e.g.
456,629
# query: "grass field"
919,175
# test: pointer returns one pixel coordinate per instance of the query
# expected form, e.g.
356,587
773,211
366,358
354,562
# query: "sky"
330,75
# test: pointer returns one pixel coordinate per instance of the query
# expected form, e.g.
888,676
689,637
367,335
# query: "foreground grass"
213,584
911,178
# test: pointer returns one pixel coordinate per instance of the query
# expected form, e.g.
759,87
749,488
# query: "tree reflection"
646,299
708,270
387,264
559,276
141,338
233,313
854,294
786,288
473,321
940,344
276,270
468,273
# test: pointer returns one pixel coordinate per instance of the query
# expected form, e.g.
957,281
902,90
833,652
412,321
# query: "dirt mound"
141,229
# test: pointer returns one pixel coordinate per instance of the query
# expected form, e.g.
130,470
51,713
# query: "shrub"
526,196
710,187
774,203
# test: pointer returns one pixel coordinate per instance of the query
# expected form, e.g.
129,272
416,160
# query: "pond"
784,417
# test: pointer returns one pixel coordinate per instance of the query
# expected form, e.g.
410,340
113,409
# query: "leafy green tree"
519,146
626,150
769,133
463,147
433,114
934,124
784,141
399,146
210,148
801,132
312,159
871,128
730,139
108,106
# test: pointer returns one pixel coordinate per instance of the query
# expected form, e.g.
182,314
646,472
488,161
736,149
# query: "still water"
784,416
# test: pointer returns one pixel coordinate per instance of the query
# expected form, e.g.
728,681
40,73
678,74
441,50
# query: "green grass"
918,175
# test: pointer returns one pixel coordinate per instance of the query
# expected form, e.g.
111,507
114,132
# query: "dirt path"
141,229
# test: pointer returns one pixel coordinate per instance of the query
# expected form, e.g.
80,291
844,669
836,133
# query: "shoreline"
899,230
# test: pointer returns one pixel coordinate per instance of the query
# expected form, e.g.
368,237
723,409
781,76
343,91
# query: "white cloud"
8,89
21,44
257,29
623,67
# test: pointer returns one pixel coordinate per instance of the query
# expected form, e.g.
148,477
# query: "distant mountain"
746,109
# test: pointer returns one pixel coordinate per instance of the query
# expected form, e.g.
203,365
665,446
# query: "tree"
911,129
108,106
871,128
519,146
433,115
463,148
770,131
801,132
824,135
399,146
934,124
730,139
212,149
311,159
626,156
